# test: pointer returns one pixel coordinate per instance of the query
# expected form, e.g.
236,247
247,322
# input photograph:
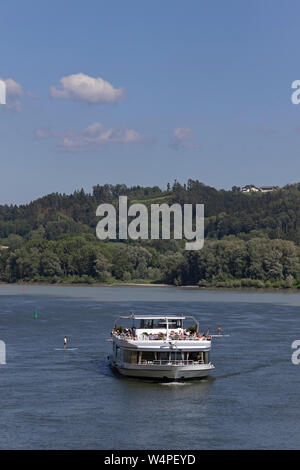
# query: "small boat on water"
159,347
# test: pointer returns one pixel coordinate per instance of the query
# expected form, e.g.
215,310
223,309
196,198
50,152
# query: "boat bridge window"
175,324
161,323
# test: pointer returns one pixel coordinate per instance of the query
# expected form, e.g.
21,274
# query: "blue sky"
172,89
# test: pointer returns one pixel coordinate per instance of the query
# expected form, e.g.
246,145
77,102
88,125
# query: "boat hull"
166,372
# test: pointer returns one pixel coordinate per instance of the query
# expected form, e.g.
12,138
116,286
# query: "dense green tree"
102,268
250,239
50,264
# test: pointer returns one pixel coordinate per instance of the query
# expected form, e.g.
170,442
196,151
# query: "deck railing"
171,338
175,362
155,338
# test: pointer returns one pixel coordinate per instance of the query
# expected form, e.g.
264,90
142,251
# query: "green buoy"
35,314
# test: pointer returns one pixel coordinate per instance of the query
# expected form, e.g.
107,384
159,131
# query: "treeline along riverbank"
251,240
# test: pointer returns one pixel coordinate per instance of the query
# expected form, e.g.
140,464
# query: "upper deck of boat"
141,335
158,331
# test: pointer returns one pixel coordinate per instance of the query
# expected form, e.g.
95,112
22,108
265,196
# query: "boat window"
163,356
147,356
130,356
161,323
146,324
176,356
175,324
196,356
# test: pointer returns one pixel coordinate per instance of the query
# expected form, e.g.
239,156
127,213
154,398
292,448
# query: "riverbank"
157,285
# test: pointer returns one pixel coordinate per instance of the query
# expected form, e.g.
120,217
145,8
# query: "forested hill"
53,238
275,214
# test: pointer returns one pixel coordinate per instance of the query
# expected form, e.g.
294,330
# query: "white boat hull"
165,372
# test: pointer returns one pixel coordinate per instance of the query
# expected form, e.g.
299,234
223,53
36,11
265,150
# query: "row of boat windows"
161,323
139,357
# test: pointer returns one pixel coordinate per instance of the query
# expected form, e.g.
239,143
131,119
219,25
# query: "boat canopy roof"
168,320
155,317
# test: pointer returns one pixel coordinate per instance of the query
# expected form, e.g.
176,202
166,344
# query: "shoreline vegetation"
149,285
251,240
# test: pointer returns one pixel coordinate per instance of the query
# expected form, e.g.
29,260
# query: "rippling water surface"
67,400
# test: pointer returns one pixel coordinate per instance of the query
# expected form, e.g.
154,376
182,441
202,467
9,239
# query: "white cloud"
31,94
13,89
183,138
94,137
82,87
13,94
45,133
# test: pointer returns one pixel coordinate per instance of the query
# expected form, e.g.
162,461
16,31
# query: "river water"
51,399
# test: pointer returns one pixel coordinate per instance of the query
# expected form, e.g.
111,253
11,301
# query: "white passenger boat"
159,347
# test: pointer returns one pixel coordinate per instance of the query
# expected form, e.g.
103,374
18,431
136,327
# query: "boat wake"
172,384
247,371
67,349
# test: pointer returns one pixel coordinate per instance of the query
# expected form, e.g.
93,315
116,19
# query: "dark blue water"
67,400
